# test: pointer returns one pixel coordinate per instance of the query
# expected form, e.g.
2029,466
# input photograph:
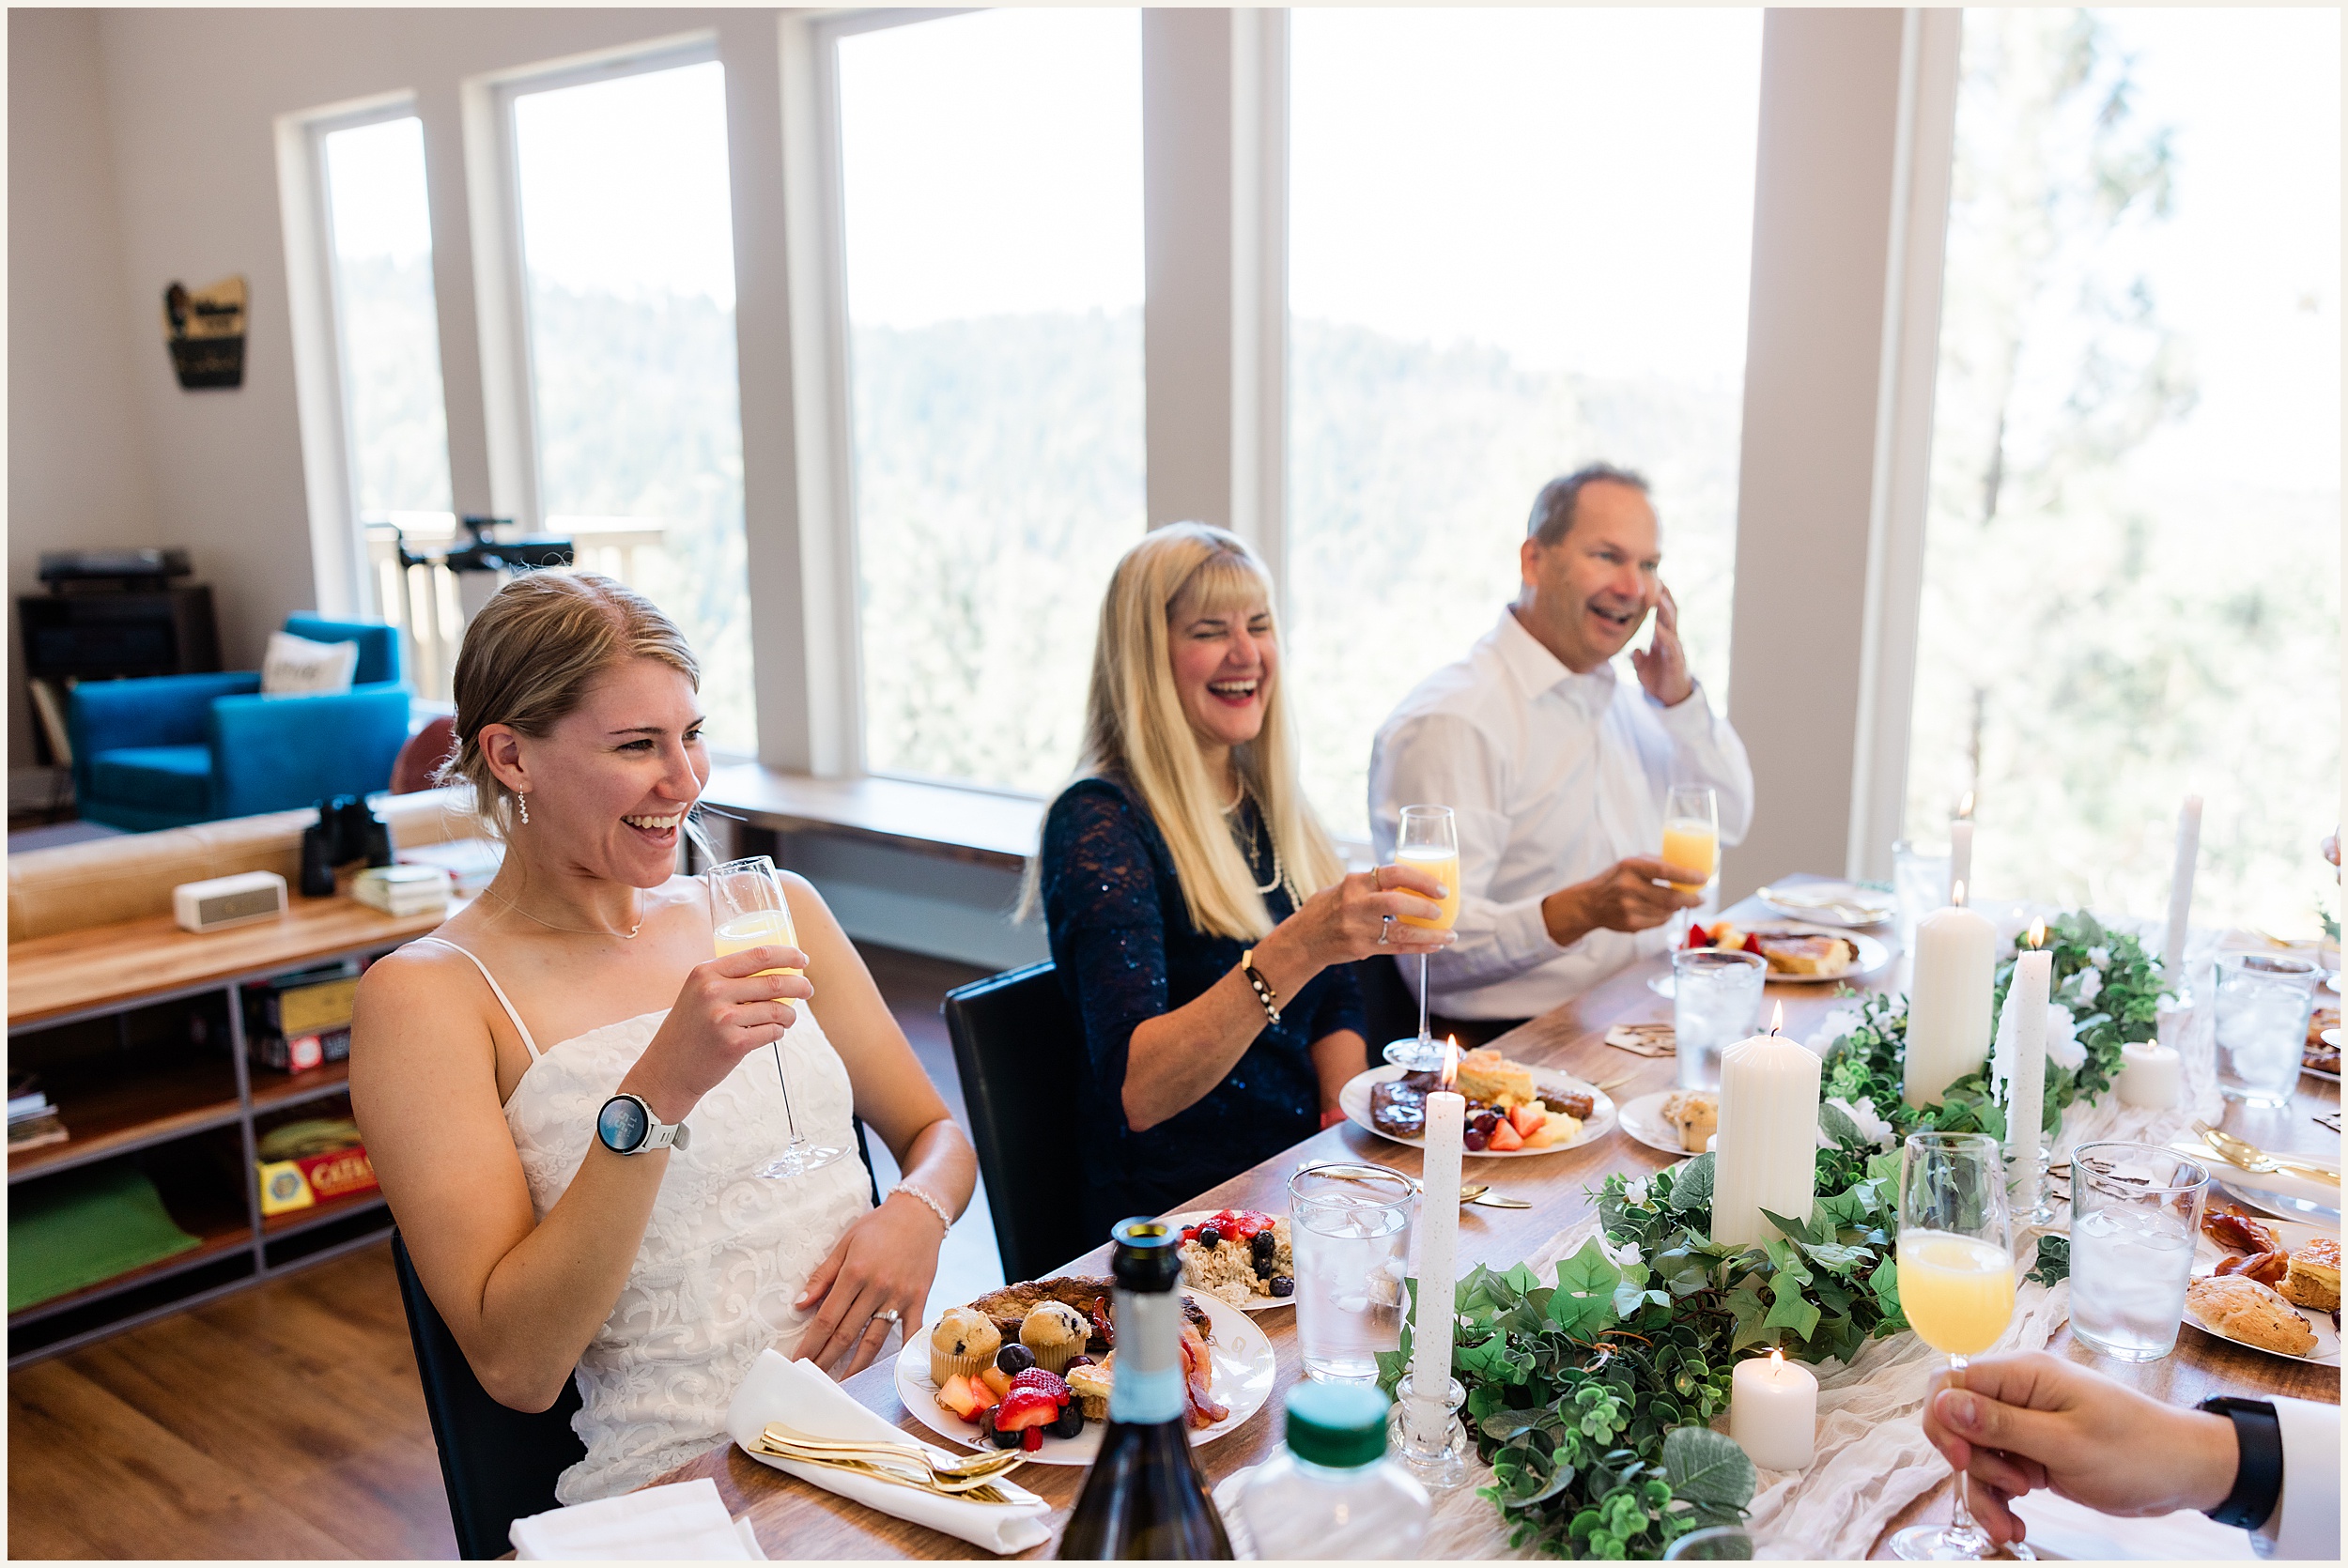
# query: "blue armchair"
174,749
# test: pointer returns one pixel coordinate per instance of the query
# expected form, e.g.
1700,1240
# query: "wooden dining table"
794,1518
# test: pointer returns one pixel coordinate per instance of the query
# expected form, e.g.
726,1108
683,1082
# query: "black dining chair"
498,1463
1019,1050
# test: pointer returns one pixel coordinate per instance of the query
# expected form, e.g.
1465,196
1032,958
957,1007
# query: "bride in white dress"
654,1278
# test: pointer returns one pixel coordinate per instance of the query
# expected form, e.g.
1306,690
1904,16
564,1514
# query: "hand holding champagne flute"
747,909
1957,1287
1427,842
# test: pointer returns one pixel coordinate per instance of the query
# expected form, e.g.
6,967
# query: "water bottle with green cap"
1331,1492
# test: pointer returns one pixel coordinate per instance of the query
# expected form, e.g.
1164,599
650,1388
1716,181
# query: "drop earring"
521,803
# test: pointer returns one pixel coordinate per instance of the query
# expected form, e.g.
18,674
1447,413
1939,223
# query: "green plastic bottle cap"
1342,1425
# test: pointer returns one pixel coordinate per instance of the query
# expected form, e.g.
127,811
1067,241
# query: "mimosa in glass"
1691,832
747,909
1428,841
1957,1287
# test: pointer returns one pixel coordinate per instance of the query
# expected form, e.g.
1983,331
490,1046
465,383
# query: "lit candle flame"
1451,1062
1776,1360
1777,1019
2038,934
1956,895
1965,806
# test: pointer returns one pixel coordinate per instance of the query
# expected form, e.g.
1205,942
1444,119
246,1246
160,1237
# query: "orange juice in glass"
1692,833
1428,840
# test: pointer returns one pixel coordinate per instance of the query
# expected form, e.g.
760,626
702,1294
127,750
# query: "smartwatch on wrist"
627,1126
2258,1478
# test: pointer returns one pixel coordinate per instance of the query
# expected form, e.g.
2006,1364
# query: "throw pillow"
295,665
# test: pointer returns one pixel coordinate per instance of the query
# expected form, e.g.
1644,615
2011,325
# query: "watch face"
623,1124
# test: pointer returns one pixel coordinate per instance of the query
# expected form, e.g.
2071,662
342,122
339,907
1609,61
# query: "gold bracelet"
1265,993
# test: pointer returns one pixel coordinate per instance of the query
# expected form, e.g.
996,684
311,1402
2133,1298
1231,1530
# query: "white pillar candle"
1768,1138
1773,1412
2181,894
2026,1096
2151,1077
1960,852
1948,1008
1438,1253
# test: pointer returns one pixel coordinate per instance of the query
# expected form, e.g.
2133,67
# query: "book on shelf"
22,1105
33,1131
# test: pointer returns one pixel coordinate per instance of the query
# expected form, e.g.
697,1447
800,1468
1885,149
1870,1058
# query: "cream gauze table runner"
1872,1460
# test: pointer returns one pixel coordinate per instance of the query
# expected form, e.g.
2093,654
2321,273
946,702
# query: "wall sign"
204,329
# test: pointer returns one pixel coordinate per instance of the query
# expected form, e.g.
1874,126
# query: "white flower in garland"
2091,984
1871,1125
2099,957
1839,1020
1624,1256
1634,1192
2062,1046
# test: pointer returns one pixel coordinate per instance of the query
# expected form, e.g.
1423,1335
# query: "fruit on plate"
965,1397
1505,1138
1014,1359
1527,1118
997,1380
1027,1412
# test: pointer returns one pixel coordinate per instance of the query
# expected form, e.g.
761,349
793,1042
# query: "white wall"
78,469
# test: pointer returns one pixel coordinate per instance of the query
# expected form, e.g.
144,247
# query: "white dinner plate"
1254,1303
1873,954
1243,1382
1643,1118
2207,1255
1817,901
1354,1099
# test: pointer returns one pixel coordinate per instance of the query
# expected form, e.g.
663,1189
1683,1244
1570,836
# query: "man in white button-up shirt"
1555,768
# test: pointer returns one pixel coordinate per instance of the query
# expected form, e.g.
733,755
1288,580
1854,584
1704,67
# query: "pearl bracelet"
925,1200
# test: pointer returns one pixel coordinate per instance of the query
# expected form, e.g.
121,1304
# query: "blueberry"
1072,1420
1007,1439
1208,1236
1013,1358
1261,1246
1283,1286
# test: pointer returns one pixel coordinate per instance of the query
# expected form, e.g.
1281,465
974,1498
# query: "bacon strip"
1197,1380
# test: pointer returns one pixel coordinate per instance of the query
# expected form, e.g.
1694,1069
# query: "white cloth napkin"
686,1520
799,1395
2076,1531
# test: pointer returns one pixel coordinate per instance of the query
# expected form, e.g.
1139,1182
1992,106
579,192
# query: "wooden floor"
286,1421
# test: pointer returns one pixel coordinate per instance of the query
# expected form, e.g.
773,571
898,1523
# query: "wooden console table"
176,1098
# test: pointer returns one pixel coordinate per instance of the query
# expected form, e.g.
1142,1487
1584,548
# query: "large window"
1519,242
627,249
387,330
2132,567
991,179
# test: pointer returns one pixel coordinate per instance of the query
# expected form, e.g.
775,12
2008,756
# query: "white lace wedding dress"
725,1254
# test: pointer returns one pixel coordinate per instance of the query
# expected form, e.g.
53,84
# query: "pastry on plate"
2313,1278
1090,1384
2245,1310
963,1344
1054,1332
1695,1114
1488,1076
1791,954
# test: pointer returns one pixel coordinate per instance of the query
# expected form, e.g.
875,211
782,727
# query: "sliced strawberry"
1753,944
1527,1118
1023,1408
1031,1440
1048,1382
1505,1137
1697,936
1190,1233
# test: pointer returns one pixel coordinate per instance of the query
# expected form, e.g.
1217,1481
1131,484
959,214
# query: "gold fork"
2252,1157
960,1468
979,1490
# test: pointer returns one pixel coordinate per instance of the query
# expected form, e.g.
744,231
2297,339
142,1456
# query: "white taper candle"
2025,1096
1438,1255
1960,854
2181,894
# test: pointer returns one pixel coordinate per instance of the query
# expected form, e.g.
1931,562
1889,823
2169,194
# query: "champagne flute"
1428,842
747,909
1691,837
1956,1285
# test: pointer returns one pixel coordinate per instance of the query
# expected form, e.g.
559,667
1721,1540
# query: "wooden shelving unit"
111,973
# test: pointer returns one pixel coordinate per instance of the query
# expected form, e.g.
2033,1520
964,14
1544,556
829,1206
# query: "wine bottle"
1144,1496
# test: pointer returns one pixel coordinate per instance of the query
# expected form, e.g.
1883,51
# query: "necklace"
1279,873
627,935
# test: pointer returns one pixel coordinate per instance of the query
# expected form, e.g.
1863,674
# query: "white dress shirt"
2306,1521
1551,777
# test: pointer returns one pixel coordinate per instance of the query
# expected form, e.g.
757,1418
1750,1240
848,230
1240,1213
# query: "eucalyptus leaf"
1693,1187
1708,1467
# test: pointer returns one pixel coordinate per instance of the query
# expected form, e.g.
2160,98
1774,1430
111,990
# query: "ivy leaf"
1630,1295
2054,1260
1708,1467
1583,1301
1503,1424
1693,1188
1744,1303
1790,1309
1682,1272
1836,1255
1839,1127
1885,1282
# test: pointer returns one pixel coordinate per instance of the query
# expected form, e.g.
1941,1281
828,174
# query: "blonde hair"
529,658
1136,733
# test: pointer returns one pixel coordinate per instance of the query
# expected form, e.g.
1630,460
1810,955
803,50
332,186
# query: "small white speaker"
224,901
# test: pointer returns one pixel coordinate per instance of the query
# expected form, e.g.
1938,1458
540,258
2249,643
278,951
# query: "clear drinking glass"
1428,842
1720,1543
1920,880
1716,1001
2135,1210
747,909
1956,1285
2263,1000
1350,1226
1691,837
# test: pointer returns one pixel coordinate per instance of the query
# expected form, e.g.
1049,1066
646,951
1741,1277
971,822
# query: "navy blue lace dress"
1126,952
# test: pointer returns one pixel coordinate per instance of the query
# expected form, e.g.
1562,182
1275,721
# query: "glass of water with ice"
1350,1226
2264,1000
2135,1211
1716,1001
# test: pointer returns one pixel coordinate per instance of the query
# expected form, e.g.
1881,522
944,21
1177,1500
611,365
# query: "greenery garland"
1591,1397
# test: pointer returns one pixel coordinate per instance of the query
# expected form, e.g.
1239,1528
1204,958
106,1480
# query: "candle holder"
2045,1213
1430,1441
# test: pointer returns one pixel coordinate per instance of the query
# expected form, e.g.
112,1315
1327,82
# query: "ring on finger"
1385,930
1378,878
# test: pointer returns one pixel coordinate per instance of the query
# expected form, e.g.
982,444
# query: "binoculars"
346,831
